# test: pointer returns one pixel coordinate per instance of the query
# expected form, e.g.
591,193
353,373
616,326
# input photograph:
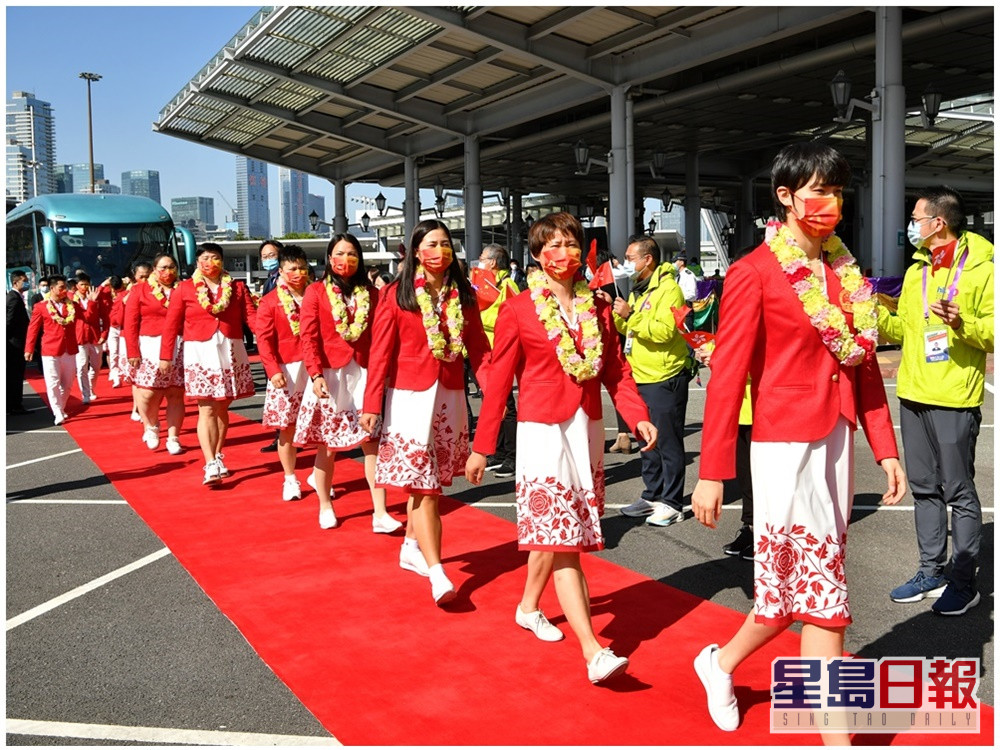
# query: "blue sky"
145,55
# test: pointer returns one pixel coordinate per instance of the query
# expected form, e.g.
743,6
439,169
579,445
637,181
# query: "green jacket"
658,350
508,289
958,381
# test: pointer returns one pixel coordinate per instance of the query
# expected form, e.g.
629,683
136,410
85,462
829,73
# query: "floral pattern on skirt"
333,421
217,369
148,375
560,485
800,526
119,372
281,405
425,439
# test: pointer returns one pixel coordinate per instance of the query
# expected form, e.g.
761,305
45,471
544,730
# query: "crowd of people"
353,363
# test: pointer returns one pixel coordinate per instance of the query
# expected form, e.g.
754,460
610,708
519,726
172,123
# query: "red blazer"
200,325
798,387
56,339
275,340
401,358
145,315
90,329
322,346
116,318
546,393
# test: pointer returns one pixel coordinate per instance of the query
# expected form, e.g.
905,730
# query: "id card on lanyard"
629,335
936,336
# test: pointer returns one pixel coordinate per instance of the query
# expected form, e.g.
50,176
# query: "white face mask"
628,267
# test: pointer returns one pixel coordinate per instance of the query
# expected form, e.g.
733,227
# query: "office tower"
252,210
294,201
144,182
317,203
64,178
31,130
194,208
101,187
81,176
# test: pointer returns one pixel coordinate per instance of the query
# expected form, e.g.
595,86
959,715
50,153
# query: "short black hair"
210,247
142,264
945,203
81,276
56,278
648,246
265,243
347,286
115,282
795,165
291,254
17,276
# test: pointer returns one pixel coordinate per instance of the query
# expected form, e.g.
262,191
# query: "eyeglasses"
922,218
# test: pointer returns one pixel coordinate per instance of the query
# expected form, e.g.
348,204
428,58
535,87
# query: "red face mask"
560,263
166,277
435,260
345,266
294,277
59,293
820,215
209,265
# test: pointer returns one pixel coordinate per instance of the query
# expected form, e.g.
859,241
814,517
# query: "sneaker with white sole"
223,471
605,665
411,558
59,419
290,489
151,437
718,686
327,519
538,624
174,446
211,473
665,516
385,524
638,509
921,586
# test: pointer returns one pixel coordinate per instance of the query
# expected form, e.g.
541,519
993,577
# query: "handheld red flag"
698,338
485,284
679,314
592,256
602,276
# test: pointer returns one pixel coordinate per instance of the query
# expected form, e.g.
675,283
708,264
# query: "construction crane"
233,210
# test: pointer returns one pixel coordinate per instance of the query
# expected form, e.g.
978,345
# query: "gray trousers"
940,451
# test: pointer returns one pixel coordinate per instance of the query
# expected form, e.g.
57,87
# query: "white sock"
410,542
289,476
436,573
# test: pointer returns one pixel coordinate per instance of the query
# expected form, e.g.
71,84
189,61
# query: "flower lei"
291,307
201,291
156,288
582,367
362,306
432,323
850,349
54,313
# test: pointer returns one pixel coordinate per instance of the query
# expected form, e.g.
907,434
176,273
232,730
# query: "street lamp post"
90,78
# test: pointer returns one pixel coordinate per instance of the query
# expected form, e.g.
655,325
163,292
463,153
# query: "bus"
102,235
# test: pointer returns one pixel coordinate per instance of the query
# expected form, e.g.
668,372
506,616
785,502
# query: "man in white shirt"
688,283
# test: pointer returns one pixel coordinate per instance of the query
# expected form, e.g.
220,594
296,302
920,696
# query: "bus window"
105,249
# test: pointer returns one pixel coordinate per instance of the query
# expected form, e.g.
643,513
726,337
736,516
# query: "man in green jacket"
945,324
659,357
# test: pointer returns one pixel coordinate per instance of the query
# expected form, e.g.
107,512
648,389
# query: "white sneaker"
151,437
93,397
86,399
411,558
327,519
291,490
718,689
311,480
223,471
605,665
538,624
174,446
442,588
135,417
212,473
385,524
59,418
664,515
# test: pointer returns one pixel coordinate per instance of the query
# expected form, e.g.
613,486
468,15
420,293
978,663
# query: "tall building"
294,201
64,178
101,186
31,129
252,210
317,203
144,182
81,177
200,209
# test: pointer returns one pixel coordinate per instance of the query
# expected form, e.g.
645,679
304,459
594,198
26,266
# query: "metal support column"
745,218
630,167
692,208
515,251
411,204
619,208
339,206
473,195
888,147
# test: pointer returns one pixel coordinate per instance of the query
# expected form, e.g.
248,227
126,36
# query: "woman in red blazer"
145,315
798,318
426,319
140,272
211,311
337,317
559,340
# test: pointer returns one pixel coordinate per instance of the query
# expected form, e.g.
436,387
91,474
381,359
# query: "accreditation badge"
629,337
936,344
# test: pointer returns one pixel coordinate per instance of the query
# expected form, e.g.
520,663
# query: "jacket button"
835,377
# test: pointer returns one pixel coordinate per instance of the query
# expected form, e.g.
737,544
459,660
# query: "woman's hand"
706,501
165,365
134,361
646,431
368,422
321,391
896,479
475,467
278,380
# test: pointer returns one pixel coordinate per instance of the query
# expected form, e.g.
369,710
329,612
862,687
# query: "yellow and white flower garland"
362,306
156,288
850,349
451,349
201,291
54,313
290,306
582,367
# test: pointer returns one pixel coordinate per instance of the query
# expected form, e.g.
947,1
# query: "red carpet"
361,644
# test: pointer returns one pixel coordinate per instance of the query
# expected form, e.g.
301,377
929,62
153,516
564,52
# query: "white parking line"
44,458
989,387
79,591
64,501
159,735
50,431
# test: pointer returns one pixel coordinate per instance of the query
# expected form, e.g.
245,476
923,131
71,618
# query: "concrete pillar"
619,208
411,204
692,208
745,217
339,206
888,215
630,169
517,227
473,195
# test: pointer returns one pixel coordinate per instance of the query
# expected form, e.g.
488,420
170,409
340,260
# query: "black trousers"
507,439
15,376
663,467
743,477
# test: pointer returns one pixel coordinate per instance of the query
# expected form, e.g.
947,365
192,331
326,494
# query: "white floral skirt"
560,484
333,421
148,375
802,504
425,439
281,405
217,369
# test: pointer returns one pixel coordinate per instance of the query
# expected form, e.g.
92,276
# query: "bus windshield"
105,249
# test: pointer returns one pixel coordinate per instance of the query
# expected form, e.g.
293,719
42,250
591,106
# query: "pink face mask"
435,260
167,277
295,277
345,266
560,263
820,215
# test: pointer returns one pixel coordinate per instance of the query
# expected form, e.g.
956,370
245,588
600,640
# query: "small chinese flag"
679,314
698,338
602,276
592,256
485,284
